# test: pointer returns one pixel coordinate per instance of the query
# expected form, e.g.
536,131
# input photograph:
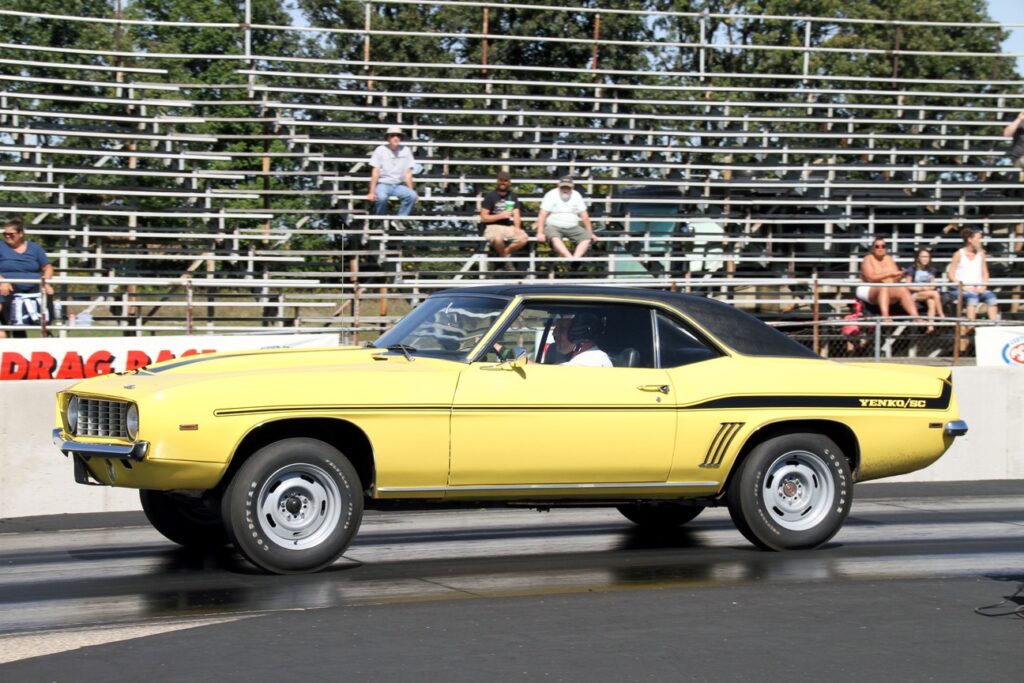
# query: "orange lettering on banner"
41,365
137,359
99,363
13,366
71,367
164,355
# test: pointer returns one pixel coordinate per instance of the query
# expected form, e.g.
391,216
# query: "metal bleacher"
240,204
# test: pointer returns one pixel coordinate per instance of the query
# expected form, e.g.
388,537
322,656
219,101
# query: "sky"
1011,12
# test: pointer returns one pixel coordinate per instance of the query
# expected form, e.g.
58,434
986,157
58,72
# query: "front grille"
97,417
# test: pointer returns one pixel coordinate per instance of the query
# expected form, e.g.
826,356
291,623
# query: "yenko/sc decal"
1013,352
892,402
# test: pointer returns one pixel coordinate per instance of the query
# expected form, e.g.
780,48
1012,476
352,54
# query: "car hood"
239,373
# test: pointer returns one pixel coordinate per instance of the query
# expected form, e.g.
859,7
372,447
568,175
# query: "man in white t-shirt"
563,215
581,334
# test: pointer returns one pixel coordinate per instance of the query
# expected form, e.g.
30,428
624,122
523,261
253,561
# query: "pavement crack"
441,584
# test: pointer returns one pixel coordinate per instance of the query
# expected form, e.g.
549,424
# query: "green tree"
735,50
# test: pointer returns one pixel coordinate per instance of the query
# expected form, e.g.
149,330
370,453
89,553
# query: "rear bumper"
956,428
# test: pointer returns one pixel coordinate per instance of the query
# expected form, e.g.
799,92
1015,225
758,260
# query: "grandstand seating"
764,193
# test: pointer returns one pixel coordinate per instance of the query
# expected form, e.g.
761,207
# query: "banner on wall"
81,357
1000,346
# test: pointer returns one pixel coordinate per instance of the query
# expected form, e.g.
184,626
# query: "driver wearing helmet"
581,336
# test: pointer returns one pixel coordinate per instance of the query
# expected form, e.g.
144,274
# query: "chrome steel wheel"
798,490
299,506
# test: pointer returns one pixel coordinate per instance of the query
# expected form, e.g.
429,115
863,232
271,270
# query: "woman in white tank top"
969,266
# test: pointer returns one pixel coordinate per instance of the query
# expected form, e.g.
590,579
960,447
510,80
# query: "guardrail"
813,310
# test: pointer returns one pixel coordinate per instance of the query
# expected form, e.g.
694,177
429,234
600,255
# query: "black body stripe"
940,402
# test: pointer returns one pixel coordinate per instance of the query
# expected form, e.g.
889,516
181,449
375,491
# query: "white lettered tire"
792,492
293,506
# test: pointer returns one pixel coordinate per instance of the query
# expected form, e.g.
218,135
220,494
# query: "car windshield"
444,326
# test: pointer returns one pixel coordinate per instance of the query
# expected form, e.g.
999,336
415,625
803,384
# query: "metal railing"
812,310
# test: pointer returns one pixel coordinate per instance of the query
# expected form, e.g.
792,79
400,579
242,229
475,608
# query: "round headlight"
72,415
131,421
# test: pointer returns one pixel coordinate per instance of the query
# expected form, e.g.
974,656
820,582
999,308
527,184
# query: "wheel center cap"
293,505
789,489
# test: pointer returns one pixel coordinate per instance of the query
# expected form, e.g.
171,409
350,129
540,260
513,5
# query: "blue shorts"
974,298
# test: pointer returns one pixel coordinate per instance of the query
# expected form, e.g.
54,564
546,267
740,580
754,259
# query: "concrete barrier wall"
992,403
35,479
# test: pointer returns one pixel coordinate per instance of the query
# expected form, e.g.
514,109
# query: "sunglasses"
878,246
10,234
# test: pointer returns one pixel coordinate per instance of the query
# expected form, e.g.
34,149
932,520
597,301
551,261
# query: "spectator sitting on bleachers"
879,267
561,212
969,265
1015,130
921,279
500,216
20,258
392,175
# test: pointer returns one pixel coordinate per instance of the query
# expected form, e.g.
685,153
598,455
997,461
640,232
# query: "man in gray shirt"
392,174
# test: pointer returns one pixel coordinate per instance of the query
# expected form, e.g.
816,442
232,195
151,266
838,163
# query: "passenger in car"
582,335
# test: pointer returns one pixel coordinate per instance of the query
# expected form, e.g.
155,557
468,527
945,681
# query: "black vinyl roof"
736,329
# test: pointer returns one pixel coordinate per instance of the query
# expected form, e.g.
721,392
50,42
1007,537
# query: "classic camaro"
658,404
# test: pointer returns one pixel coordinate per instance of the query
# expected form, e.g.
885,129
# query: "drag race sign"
81,357
1000,346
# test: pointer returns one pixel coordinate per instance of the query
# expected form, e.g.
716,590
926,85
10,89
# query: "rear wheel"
188,521
660,515
792,492
294,506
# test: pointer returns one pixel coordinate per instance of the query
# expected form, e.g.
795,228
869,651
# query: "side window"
678,346
524,333
602,335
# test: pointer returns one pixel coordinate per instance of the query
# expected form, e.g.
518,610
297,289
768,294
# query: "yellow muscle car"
655,403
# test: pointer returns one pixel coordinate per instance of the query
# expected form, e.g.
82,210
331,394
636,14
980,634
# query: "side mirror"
517,362
520,360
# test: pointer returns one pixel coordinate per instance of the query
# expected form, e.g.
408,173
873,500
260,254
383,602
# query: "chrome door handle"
661,388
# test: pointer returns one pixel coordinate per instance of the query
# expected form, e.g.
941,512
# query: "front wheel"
294,506
792,492
190,522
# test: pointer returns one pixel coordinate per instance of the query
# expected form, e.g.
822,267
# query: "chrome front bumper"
956,428
135,451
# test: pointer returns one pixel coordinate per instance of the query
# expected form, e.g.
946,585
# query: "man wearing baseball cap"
392,174
562,211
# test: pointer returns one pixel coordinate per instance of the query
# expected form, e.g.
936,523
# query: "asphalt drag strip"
441,594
